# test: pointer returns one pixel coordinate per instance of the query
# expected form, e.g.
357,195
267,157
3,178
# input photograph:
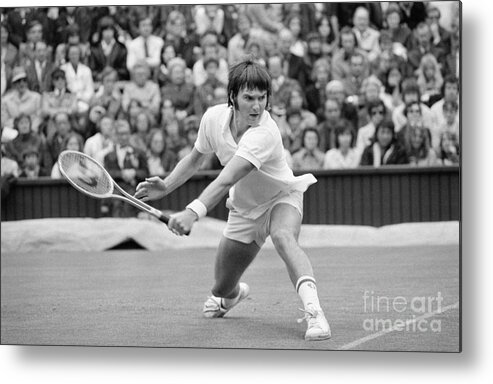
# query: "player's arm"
154,188
235,170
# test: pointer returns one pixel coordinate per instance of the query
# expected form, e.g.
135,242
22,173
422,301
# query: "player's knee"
283,238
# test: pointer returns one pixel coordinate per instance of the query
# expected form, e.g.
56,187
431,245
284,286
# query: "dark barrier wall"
363,196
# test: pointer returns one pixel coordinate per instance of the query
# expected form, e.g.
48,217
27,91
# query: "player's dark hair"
247,75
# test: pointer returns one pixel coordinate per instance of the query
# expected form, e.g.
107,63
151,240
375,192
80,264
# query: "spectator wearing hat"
341,68
57,99
410,92
27,139
178,91
79,79
145,47
9,56
39,69
385,149
20,99
366,36
108,51
143,90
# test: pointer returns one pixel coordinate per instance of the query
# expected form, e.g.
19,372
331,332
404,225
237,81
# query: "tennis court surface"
387,298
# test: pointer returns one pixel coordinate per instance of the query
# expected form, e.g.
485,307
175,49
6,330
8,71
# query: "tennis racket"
89,177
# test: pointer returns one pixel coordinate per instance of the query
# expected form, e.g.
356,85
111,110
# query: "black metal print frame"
384,242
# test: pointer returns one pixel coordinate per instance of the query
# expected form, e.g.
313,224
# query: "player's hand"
181,223
152,188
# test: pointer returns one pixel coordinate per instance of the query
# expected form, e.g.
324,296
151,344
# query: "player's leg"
232,259
285,224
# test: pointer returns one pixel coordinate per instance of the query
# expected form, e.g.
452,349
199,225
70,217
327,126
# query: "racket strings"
85,173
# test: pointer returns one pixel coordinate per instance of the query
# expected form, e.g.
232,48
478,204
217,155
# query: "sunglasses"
414,111
21,80
377,112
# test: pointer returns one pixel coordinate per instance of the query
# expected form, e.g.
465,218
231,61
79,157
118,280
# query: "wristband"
198,208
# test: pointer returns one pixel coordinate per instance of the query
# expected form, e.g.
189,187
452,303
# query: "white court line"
392,329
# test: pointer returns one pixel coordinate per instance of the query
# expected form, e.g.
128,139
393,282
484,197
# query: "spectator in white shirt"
366,36
98,145
145,47
377,112
79,79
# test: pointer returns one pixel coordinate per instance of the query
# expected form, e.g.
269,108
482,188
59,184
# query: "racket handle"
165,219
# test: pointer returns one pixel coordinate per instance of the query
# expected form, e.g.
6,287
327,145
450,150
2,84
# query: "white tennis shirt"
262,146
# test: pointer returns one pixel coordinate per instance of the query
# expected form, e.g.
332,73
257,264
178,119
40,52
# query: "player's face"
251,105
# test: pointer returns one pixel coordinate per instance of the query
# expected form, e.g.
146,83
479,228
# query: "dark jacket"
398,156
117,60
113,168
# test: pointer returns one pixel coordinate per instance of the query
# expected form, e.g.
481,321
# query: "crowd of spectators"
356,84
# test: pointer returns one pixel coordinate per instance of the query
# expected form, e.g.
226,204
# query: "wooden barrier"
362,196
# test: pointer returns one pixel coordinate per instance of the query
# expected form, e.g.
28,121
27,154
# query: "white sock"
307,290
227,303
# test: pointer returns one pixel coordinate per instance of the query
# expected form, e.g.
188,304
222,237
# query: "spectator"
385,149
293,66
39,69
72,142
220,96
418,148
281,85
208,17
31,168
299,46
341,58
410,93
160,160
127,166
295,130
430,79
450,92
178,91
20,100
315,93
145,91
73,38
366,36
392,86
371,91
344,155
329,42
161,75
313,49
27,139
140,131
176,34
441,37
451,64
62,129
450,123
414,117
8,59
108,51
400,32
101,143
335,89
108,95
10,171
146,47
34,35
309,157
377,112
204,95
332,119
449,152
79,79
412,13
210,49
297,103
423,44
237,45
391,56
357,73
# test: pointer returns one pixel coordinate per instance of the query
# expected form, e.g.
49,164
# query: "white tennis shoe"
213,307
318,327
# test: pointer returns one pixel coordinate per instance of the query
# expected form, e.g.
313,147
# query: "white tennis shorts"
246,230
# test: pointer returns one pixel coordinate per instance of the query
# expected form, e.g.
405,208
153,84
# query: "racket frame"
124,195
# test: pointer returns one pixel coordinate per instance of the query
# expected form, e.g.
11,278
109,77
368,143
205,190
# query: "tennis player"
265,198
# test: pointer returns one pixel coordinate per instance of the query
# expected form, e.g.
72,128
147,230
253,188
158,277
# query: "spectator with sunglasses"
377,112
